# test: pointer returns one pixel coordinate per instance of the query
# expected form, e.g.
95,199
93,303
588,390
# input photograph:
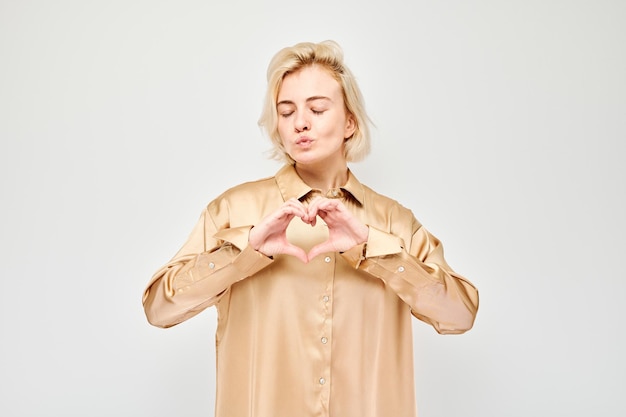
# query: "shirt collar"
292,186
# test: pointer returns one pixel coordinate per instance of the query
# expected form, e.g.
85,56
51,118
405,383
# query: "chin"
304,158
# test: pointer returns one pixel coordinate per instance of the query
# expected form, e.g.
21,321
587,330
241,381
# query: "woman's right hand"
270,236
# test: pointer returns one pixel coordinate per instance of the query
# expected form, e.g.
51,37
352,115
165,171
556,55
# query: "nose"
301,122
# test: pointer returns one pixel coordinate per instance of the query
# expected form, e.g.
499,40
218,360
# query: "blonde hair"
329,55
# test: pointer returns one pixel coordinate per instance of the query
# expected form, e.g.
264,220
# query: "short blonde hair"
329,55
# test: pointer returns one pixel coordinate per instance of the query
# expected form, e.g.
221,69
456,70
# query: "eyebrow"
308,100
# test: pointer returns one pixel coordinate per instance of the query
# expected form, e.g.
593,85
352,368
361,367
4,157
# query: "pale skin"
313,124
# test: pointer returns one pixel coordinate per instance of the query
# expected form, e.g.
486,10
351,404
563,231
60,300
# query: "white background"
501,124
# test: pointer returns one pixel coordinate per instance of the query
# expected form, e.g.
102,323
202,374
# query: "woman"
314,275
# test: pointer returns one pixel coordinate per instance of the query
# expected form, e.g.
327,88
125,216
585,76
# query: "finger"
286,213
296,251
296,207
329,204
313,208
329,207
321,248
274,223
296,203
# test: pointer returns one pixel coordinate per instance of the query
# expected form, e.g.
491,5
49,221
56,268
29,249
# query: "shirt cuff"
380,243
237,236
355,255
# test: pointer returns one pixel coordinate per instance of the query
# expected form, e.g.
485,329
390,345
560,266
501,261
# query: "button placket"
324,342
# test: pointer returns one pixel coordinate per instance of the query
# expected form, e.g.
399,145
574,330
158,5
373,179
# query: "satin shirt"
329,338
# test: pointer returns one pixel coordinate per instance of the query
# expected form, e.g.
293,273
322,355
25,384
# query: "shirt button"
327,259
211,265
326,298
322,381
400,269
324,340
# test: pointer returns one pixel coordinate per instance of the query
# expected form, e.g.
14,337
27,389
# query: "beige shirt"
327,338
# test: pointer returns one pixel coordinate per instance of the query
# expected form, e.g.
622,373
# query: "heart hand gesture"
344,230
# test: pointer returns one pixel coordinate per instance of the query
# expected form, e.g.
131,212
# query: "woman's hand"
344,230
270,236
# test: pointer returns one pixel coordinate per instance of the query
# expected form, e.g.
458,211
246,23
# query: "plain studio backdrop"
501,124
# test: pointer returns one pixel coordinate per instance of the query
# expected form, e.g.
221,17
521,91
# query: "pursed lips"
304,141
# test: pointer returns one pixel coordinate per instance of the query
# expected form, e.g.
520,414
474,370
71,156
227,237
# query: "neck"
323,177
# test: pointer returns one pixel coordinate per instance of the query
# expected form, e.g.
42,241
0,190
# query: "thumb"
321,248
296,251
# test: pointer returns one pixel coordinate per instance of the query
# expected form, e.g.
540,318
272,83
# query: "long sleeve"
420,276
212,259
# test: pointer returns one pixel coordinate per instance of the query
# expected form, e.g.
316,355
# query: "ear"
350,126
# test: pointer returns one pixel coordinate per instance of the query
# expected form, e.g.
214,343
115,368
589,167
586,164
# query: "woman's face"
312,119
